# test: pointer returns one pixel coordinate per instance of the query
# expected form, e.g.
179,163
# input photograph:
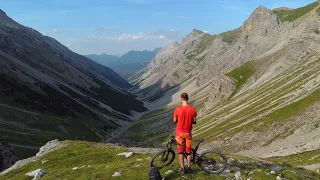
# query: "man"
185,117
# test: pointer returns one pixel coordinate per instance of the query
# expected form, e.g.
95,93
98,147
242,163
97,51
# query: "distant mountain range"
128,64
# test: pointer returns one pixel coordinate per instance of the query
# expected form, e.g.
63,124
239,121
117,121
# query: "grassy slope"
231,36
232,125
205,42
302,159
100,161
241,75
291,15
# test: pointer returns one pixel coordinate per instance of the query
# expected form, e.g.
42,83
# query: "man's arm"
175,120
175,116
195,116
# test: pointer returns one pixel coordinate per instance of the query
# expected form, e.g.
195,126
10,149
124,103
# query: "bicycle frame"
194,154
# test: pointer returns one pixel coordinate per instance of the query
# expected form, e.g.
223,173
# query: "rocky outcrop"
168,61
49,147
7,156
262,22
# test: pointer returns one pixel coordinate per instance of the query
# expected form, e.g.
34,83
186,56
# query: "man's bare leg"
181,160
189,157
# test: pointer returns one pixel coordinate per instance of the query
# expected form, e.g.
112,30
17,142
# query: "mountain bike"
211,161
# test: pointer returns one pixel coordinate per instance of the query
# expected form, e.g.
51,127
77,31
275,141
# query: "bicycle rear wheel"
212,162
163,158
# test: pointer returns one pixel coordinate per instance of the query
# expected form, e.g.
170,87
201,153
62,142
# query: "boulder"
36,174
238,175
116,174
126,154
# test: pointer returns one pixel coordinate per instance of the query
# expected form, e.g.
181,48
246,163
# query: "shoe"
189,171
181,171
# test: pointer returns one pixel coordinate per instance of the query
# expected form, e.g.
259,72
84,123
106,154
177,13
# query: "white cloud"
118,42
126,36
205,31
54,30
162,37
170,34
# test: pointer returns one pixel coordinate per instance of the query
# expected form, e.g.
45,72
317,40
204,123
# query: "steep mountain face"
128,64
47,91
256,87
7,156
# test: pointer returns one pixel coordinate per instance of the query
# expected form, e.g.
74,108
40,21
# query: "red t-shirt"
185,116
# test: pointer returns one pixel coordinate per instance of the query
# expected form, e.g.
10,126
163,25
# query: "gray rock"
275,167
51,146
278,178
169,172
36,174
238,175
126,154
116,174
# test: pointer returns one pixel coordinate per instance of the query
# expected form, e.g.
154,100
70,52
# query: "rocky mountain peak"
172,45
262,22
196,31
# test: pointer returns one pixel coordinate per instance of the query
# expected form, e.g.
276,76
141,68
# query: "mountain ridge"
255,87
129,63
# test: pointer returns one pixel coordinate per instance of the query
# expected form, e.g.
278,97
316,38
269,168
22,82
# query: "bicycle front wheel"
212,162
163,158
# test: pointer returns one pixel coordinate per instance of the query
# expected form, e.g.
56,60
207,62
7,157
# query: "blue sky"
118,26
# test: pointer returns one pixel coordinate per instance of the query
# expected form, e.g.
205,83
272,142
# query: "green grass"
291,109
142,131
241,74
231,36
306,158
291,15
100,161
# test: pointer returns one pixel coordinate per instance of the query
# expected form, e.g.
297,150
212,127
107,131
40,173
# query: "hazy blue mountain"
128,64
103,59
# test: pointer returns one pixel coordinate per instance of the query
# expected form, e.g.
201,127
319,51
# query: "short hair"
184,96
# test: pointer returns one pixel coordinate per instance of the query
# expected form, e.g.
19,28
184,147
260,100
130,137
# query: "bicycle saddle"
199,141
